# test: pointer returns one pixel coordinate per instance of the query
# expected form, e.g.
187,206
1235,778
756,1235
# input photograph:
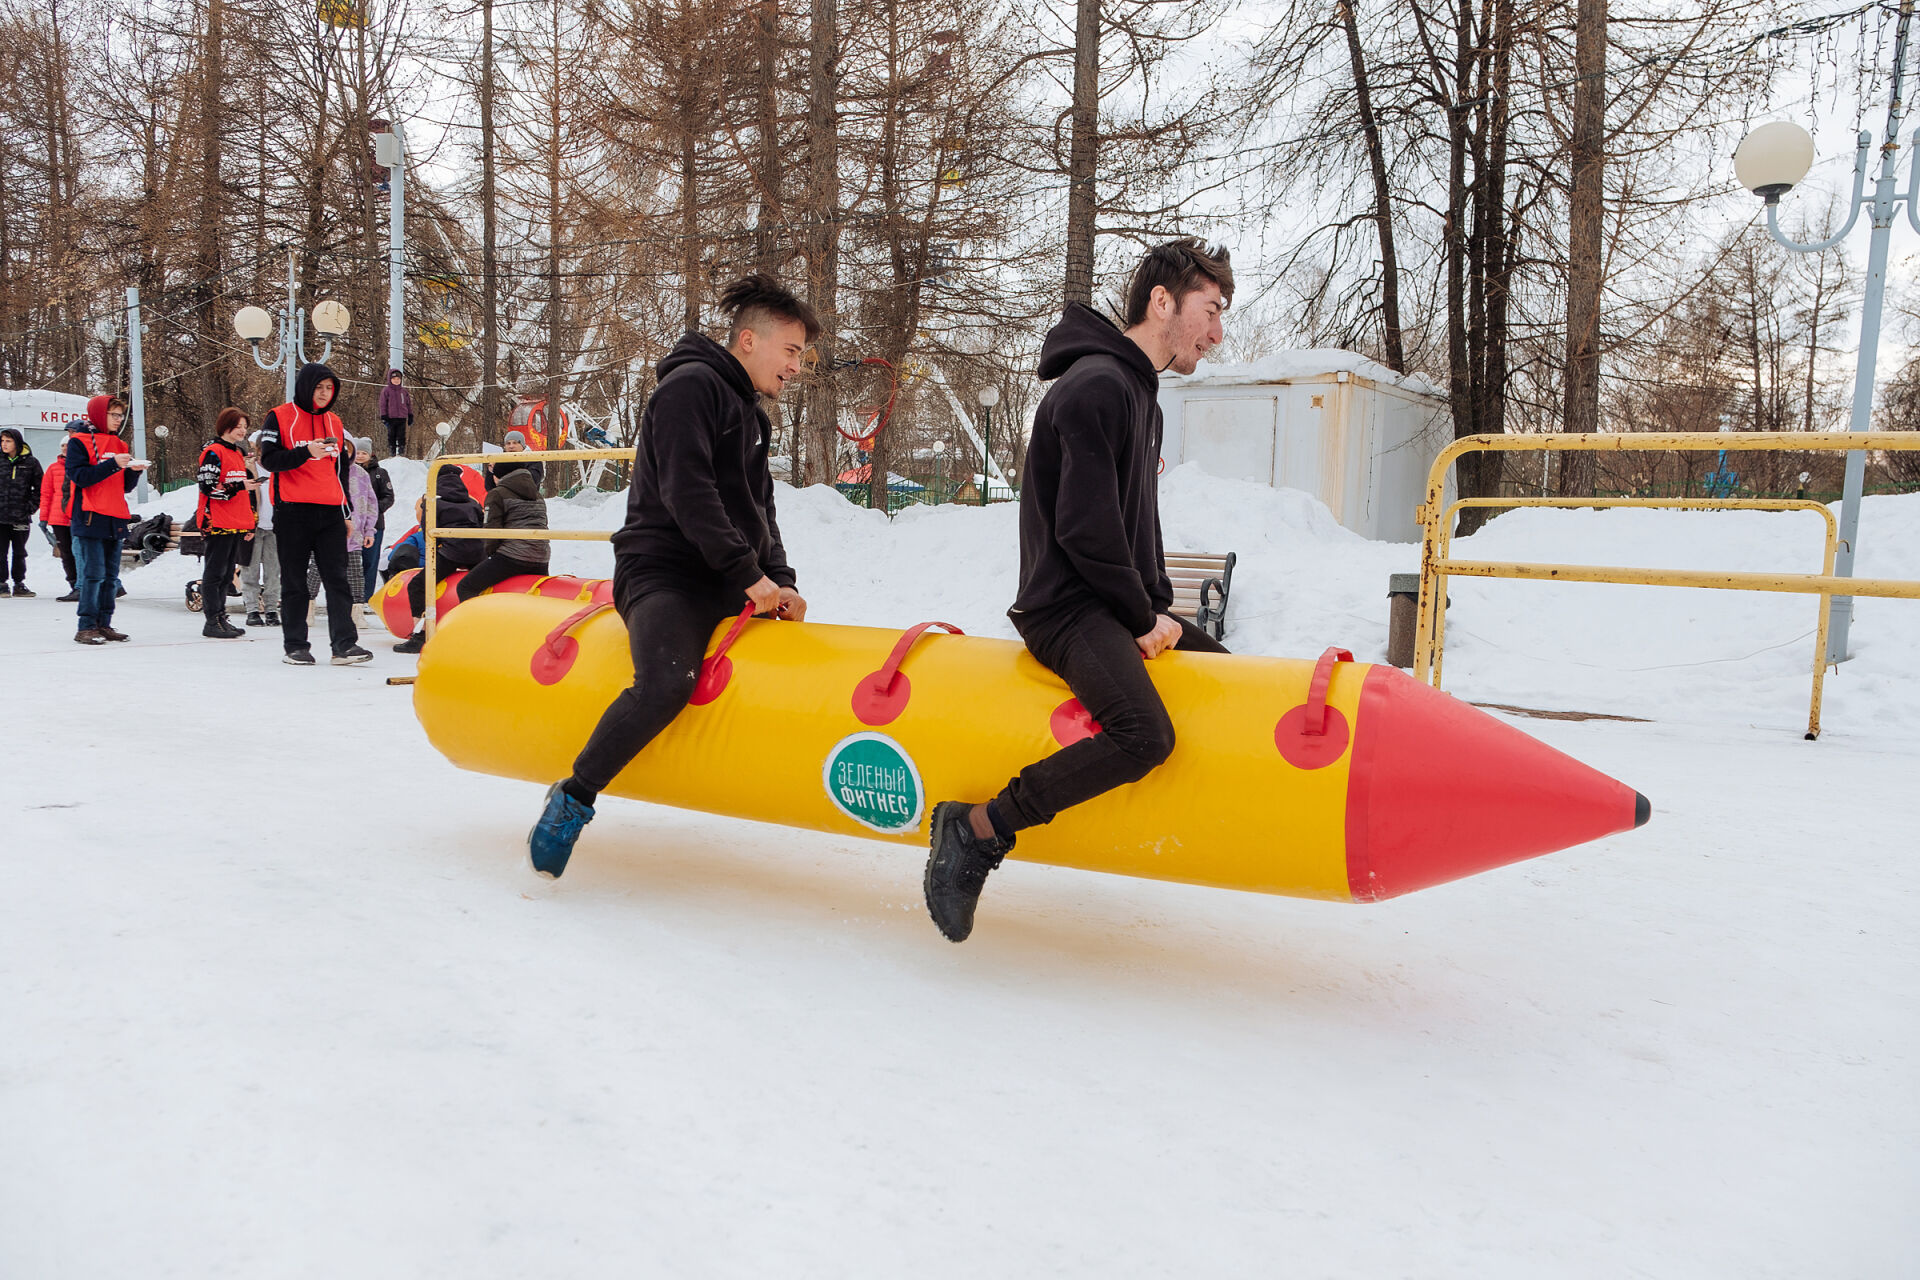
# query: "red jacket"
225,502
54,506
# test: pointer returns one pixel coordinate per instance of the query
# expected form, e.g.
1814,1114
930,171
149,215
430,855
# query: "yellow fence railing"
432,531
1436,520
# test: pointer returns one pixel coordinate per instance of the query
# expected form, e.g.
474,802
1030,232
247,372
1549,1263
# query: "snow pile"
282,1000
1308,362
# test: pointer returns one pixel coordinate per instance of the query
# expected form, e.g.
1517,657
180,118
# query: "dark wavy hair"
1180,267
229,418
759,296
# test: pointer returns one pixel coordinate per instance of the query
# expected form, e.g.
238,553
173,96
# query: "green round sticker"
872,780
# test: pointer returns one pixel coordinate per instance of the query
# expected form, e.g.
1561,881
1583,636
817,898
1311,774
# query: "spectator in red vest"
55,517
100,472
226,517
304,447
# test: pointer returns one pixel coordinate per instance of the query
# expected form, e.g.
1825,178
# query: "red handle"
555,656
1316,719
881,682
733,633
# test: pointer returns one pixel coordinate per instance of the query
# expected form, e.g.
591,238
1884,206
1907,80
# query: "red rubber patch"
873,706
1305,750
714,674
552,661
1072,722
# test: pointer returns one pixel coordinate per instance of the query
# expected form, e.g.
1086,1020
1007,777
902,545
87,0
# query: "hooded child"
20,479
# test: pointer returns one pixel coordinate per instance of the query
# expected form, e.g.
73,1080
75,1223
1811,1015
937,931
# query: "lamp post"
939,469
255,324
1770,162
988,396
390,151
160,434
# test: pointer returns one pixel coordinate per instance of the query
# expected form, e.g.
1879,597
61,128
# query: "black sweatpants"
16,546
491,572
63,534
316,531
667,631
396,436
223,553
442,569
1095,654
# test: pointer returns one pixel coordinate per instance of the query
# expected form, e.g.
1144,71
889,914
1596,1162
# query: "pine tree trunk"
1084,154
1586,232
823,249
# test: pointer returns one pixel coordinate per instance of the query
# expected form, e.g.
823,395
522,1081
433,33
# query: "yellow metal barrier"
1436,520
431,530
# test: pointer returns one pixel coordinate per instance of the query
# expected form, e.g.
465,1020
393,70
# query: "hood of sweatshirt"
311,376
451,485
519,482
698,348
1083,332
20,449
97,411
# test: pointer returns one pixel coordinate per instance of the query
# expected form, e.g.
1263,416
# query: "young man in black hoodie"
1094,596
305,449
700,539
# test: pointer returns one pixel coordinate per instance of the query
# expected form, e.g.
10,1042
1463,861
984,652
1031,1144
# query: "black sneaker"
20,591
272,619
298,658
72,597
957,869
412,644
254,619
352,655
5,591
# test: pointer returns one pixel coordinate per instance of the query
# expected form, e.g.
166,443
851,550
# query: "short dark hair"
758,296
1180,267
228,419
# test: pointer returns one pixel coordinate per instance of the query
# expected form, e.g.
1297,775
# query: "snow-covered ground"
277,997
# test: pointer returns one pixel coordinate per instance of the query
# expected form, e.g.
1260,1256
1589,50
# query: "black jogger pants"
317,531
1095,654
216,575
667,632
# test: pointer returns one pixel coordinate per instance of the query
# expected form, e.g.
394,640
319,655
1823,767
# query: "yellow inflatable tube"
1325,779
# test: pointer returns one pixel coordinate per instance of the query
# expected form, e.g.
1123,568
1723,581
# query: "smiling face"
1194,326
237,432
770,350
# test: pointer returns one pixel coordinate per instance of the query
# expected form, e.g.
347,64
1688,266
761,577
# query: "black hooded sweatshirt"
275,456
700,513
454,508
1090,497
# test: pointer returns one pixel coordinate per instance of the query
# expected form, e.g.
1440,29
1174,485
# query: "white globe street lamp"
1773,159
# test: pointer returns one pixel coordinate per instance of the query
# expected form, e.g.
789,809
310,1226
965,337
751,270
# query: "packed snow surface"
278,996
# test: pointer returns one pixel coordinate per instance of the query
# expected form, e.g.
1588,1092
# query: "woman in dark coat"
20,476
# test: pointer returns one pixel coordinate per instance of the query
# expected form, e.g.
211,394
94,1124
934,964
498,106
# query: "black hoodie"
454,508
1090,495
276,457
700,513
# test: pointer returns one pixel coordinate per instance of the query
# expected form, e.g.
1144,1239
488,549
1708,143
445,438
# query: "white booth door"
1230,436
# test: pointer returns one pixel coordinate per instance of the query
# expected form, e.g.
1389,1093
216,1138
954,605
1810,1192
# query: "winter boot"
957,869
272,618
89,636
413,643
551,841
215,628
254,619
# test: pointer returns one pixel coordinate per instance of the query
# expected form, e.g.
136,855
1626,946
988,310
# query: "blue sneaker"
551,841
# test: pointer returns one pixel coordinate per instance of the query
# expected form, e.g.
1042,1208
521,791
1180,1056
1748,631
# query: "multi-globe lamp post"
256,325
1770,162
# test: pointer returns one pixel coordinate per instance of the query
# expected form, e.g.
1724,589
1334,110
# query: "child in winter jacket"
513,503
396,411
20,477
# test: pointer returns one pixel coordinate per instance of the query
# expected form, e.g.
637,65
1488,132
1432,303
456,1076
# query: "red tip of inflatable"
1440,790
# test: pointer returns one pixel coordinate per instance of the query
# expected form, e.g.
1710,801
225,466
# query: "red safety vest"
231,513
316,480
109,497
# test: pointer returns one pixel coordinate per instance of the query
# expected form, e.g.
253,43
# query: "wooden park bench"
1201,585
